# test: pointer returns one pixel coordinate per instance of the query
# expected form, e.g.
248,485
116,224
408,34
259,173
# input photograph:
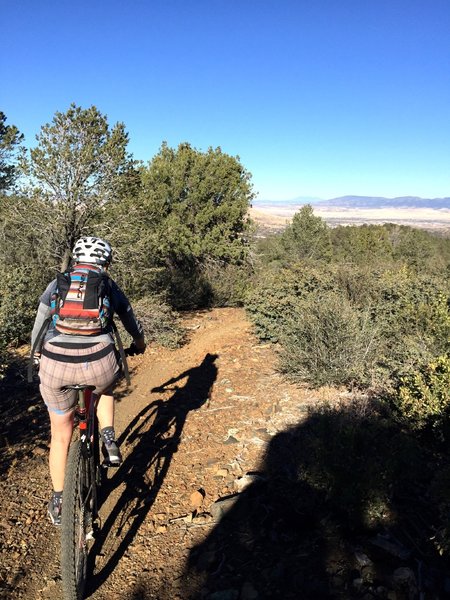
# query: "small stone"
39,451
243,482
232,431
362,559
223,506
161,529
202,518
197,498
263,434
221,473
368,574
258,441
231,440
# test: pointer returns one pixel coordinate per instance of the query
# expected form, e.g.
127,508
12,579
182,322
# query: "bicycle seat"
76,386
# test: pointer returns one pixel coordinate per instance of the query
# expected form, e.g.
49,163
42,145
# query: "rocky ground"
207,503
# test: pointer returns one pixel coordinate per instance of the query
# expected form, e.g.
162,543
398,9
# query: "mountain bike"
80,521
79,517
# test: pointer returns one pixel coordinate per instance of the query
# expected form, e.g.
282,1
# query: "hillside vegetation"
361,306
364,307
357,306
177,225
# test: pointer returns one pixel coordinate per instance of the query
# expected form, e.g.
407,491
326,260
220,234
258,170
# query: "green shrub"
329,342
20,288
227,282
3,360
360,284
423,397
347,453
279,294
19,299
414,320
159,321
187,287
346,323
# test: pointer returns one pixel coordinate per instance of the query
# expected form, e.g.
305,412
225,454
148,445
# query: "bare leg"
105,411
61,430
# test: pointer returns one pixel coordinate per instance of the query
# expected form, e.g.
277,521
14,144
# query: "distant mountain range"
362,202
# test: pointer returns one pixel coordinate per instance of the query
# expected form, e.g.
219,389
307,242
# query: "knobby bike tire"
76,521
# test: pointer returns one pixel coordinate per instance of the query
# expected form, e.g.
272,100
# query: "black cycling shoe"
113,457
54,510
112,453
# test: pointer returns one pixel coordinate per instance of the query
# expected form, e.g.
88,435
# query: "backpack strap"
97,286
123,357
36,344
62,285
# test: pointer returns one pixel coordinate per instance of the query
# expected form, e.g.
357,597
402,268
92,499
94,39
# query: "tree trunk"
65,260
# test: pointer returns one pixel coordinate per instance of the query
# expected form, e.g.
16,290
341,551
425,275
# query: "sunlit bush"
423,398
351,324
160,322
329,342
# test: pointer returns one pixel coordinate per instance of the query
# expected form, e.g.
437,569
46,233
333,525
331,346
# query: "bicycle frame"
85,412
80,507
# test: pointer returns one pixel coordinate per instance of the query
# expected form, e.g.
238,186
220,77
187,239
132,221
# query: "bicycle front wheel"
76,522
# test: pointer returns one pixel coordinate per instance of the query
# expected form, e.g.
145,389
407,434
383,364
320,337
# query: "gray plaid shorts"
96,365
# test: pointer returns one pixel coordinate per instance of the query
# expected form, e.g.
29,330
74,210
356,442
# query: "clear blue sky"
317,97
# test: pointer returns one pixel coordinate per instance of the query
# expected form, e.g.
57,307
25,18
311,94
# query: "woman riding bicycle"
78,348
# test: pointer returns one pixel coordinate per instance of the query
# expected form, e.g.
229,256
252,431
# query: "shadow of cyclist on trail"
154,435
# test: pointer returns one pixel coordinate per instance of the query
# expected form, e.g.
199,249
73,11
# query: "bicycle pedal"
106,464
90,535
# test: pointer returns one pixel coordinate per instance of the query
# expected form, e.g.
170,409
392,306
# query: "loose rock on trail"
200,507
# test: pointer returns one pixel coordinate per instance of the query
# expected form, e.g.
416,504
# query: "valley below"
273,218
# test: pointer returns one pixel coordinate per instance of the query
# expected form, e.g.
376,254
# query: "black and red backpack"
81,304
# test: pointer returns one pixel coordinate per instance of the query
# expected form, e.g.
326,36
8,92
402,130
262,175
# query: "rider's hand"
133,349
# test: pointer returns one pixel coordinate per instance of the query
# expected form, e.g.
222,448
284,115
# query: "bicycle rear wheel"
77,521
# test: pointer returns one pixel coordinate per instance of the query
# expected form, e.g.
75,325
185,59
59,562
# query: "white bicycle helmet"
92,250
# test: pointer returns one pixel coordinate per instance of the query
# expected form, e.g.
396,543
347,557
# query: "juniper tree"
307,237
75,168
10,140
191,208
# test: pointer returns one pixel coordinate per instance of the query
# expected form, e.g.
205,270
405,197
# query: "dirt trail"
231,487
195,421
